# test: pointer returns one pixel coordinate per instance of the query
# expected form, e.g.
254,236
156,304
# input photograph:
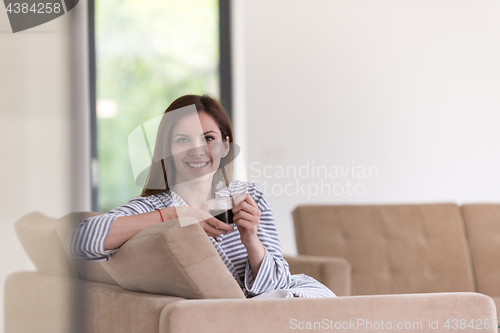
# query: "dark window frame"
93,114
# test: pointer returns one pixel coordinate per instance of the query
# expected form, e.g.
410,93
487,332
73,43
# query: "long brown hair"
157,181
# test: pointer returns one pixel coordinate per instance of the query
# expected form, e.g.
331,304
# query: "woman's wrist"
251,241
253,244
256,253
168,213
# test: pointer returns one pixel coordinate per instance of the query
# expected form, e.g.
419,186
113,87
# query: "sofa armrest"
333,272
380,313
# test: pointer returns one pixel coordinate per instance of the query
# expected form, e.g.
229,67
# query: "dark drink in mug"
225,216
221,209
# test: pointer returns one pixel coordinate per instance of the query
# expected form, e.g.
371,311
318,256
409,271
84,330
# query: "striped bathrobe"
86,241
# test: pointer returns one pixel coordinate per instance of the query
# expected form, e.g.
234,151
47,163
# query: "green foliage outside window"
148,53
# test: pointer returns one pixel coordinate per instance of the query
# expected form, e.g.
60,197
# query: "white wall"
43,127
409,88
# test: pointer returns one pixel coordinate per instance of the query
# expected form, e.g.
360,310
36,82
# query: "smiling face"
197,147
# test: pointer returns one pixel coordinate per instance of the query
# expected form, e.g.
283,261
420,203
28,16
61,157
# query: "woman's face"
197,148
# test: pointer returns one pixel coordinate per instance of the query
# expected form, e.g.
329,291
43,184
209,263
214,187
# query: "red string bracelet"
159,211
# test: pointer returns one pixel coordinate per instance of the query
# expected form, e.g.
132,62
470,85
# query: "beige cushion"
392,248
172,260
89,270
483,229
42,303
45,241
38,235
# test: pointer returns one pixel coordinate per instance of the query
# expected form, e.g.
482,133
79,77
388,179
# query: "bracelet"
159,211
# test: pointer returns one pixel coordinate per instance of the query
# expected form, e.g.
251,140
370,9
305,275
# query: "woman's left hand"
247,219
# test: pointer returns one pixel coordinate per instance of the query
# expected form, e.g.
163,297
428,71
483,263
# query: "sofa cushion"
172,260
392,248
38,235
41,303
483,229
45,241
88,270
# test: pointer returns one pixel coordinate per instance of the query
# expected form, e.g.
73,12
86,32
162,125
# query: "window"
147,53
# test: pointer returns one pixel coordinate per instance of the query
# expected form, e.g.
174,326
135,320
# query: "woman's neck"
194,194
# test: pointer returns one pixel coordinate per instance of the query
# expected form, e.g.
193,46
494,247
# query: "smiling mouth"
197,165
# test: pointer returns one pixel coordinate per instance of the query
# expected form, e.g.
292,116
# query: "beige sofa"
401,249
170,279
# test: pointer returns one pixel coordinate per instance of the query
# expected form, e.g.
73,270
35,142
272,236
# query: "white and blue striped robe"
86,241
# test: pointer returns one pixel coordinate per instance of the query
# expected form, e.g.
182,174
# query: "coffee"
220,208
225,216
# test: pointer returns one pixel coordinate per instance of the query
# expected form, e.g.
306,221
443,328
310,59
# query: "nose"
198,150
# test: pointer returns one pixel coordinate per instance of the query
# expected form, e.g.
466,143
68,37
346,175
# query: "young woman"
193,146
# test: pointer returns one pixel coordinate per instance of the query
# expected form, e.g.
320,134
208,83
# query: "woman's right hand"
212,226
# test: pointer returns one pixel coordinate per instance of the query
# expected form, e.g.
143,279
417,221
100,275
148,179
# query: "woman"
193,147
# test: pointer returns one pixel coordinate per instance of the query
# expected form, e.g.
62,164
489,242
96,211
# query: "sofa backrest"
393,249
39,238
44,240
483,229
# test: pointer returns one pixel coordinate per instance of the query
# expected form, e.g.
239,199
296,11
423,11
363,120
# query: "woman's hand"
247,218
212,226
